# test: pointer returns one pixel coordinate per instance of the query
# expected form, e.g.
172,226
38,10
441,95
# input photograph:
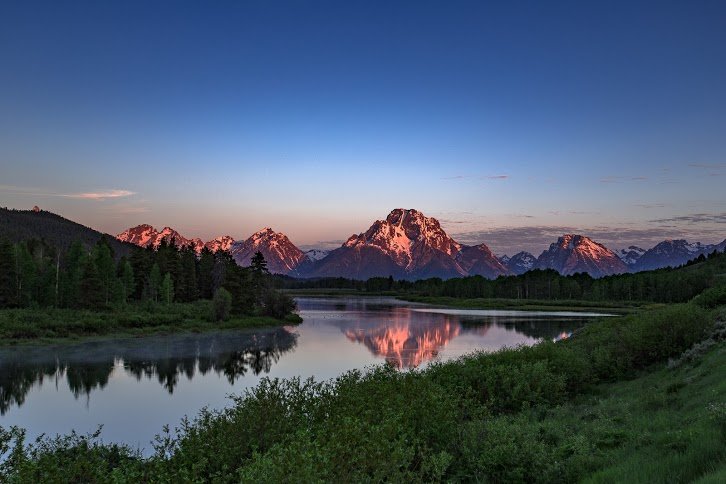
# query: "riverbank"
40,326
611,307
618,307
637,398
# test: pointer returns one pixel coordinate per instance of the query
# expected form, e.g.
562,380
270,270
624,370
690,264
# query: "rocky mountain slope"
519,263
145,235
406,245
577,253
282,256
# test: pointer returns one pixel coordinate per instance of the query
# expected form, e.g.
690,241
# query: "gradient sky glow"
511,124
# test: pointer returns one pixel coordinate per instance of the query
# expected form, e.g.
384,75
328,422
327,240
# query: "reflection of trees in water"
88,366
533,327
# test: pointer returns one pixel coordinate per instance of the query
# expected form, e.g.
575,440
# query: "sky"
511,123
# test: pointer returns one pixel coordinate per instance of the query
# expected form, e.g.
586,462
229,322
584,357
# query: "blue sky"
510,123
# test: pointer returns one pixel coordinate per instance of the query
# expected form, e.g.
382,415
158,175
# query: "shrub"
710,298
221,304
277,304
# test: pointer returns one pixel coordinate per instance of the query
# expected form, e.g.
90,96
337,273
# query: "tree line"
34,274
666,285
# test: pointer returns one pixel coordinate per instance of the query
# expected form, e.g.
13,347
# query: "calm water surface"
134,386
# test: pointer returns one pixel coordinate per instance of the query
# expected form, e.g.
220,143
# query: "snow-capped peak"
316,254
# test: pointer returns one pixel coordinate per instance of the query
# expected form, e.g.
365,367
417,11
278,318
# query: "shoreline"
33,327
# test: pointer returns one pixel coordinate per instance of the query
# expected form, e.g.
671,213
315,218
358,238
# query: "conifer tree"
206,266
154,282
8,291
167,289
91,290
106,267
127,280
70,287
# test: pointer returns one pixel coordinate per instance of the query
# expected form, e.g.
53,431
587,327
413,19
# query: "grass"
619,307
19,326
603,406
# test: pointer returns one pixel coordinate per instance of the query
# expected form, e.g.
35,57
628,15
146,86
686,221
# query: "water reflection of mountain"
402,343
407,339
88,366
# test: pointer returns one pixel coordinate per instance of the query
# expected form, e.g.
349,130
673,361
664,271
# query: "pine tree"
127,280
8,290
167,289
206,267
71,276
258,264
91,289
106,267
25,275
187,288
154,282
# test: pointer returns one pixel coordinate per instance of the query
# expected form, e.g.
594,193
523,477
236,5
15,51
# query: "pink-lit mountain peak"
577,253
282,256
403,232
145,235
408,244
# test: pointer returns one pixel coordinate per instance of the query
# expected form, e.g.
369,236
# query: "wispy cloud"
102,195
98,195
707,165
651,205
480,177
694,218
621,179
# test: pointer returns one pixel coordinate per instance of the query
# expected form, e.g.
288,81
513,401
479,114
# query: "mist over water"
134,386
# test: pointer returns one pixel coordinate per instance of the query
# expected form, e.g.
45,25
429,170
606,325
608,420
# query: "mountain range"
405,245
409,245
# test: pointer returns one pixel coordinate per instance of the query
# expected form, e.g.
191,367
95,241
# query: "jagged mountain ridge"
406,245
282,256
576,253
409,245
519,263
316,254
672,253
145,235
631,255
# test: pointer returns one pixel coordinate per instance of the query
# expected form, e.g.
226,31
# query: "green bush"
221,304
711,298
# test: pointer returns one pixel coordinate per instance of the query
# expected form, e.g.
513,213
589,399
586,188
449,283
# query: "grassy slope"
18,326
664,426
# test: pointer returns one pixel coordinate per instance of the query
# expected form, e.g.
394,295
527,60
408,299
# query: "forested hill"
21,225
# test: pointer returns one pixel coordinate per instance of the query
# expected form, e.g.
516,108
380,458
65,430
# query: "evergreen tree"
91,287
70,287
258,264
167,289
127,280
8,290
25,274
206,267
187,289
106,267
154,282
